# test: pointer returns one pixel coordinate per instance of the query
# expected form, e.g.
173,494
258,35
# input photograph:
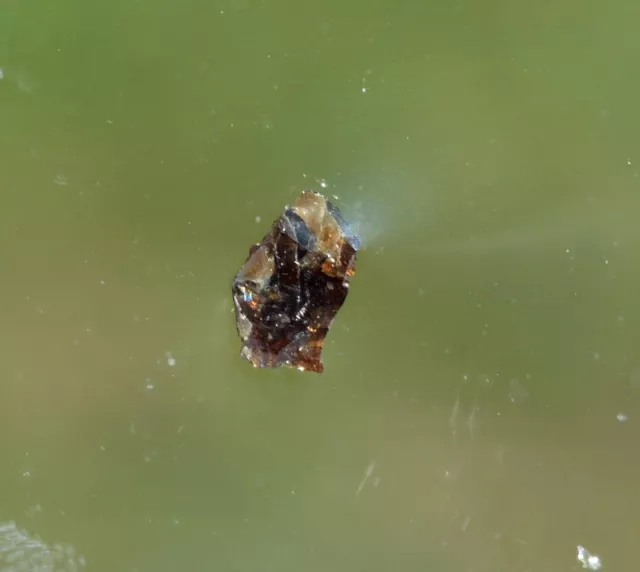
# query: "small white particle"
324,184
1,73
621,417
258,219
588,561
102,282
171,361
149,386
364,90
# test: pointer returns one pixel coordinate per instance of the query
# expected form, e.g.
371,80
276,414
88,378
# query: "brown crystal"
291,287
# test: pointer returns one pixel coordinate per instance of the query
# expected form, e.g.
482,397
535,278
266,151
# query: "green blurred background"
480,406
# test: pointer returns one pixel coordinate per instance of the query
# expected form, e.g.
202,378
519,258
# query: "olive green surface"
480,406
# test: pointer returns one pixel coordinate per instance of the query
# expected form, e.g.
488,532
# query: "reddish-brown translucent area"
288,292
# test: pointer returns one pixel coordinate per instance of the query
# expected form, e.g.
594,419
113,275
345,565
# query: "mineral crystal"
291,287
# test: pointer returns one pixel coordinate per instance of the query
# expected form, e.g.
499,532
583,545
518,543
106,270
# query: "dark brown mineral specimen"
292,285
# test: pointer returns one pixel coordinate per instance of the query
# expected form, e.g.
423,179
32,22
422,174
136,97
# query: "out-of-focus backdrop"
480,409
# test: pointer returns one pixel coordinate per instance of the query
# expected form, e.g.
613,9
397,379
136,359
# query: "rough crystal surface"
291,287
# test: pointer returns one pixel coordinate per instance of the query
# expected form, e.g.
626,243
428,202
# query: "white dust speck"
171,361
364,90
367,474
1,73
258,218
622,417
588,560
102,282
61,180
323,183
149,385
